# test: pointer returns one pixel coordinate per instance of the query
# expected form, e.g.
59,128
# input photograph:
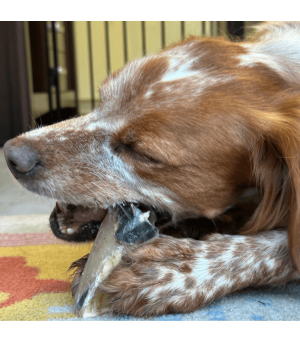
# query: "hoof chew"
124,226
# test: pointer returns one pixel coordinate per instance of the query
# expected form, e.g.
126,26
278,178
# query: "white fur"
178,72
278,48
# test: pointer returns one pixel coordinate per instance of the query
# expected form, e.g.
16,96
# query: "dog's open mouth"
80,224
75,223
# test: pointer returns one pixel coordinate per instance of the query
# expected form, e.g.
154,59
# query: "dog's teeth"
70,231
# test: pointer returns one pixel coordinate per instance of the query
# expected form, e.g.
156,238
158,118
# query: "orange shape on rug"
20,281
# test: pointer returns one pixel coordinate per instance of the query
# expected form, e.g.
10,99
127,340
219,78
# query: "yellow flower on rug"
41,307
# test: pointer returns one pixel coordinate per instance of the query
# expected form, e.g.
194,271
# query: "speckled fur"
172,275
188,131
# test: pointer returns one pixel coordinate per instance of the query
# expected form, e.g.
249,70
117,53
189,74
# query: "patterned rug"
34,284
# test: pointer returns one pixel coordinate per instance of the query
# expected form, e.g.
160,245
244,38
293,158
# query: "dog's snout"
21,160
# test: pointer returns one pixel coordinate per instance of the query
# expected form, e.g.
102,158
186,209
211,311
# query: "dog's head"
185,131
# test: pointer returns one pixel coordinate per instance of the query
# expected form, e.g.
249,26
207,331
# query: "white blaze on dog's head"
179,69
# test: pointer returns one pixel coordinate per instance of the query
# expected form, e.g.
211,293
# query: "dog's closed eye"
131,150
128,144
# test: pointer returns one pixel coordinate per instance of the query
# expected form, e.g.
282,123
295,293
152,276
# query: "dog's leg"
181,275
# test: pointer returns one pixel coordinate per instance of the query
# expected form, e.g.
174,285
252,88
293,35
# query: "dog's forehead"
147,85
140,75
154,83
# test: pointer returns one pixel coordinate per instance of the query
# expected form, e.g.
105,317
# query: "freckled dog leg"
181,275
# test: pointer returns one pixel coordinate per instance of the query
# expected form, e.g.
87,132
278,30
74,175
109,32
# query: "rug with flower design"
34,284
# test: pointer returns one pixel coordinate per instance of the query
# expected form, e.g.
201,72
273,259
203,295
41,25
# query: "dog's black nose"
21,160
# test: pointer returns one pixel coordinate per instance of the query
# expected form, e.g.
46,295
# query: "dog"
207,134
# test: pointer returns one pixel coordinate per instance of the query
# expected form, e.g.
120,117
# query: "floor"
15,199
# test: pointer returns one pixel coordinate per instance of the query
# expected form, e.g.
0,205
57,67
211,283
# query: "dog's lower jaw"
75,223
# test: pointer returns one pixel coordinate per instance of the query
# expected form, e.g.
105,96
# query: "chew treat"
123,227
135,226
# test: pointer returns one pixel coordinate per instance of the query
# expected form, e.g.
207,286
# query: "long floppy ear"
276,151
276,44
276,168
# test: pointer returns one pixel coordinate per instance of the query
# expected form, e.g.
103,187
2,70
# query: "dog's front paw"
156,278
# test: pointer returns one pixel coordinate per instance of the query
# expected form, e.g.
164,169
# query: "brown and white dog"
192,132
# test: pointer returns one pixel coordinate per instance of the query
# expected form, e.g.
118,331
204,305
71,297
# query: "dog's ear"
276,170
275,151
277,45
